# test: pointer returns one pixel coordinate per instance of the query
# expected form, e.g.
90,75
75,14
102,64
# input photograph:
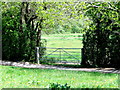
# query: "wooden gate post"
38,55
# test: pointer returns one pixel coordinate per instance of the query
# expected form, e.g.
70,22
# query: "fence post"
38,55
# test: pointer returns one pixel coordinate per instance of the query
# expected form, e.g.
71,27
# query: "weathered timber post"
37,55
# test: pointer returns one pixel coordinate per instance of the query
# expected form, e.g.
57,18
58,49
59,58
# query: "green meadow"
64,40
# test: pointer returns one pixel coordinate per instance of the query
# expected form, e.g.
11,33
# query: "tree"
23,23
101,44
19,31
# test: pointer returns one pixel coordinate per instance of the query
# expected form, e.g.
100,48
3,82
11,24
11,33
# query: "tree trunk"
21,32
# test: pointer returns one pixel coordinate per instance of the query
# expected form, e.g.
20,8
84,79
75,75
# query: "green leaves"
100,41
59,13
57,86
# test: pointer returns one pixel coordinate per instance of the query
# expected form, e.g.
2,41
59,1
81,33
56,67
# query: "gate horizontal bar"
60,51
59,48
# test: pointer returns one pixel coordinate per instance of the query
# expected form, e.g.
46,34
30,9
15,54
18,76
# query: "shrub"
56,86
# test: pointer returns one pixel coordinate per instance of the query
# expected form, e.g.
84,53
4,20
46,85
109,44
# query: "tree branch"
26,9
32,18
102,7
116,32
36,26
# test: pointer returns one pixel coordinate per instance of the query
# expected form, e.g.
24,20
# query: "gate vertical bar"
38,55
60,54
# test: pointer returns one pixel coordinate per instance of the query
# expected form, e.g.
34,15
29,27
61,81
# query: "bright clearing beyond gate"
59,55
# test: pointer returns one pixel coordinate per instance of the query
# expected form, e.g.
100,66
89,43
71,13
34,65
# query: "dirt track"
40,66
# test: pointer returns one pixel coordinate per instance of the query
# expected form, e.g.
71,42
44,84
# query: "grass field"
16,77
64,41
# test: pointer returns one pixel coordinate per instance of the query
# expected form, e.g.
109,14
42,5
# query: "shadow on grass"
71,65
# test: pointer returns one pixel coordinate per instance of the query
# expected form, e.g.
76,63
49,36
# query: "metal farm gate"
59,55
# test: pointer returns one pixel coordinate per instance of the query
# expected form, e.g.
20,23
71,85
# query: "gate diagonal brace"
69,54
52,52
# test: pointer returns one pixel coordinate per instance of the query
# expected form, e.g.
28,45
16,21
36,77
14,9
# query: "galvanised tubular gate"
59,55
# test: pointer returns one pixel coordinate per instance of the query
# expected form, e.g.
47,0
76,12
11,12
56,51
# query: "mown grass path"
40,66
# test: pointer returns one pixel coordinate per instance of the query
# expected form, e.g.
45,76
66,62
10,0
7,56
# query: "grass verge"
17,77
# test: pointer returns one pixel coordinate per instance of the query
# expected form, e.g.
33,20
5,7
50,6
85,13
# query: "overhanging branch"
110,8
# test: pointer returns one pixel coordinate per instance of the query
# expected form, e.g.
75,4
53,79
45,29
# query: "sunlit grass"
16,77
64,43
64,40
